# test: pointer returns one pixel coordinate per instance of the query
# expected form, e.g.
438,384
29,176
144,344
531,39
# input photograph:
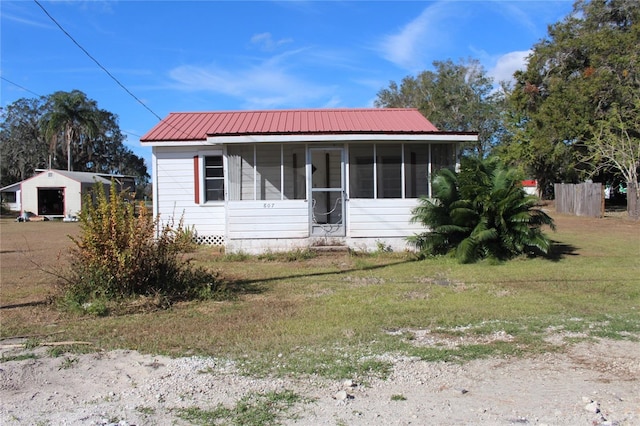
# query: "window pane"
213,161
361,171
268,172
416,170
9,197
215,184
217,172
294,172
214,189
389,172
326,166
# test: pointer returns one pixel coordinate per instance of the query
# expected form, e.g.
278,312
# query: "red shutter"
196,179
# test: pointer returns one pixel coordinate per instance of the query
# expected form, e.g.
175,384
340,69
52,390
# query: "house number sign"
269,205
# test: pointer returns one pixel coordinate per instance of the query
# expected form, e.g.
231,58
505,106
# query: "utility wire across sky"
96,61
100,65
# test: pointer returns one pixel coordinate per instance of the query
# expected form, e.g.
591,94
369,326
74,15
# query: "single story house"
58,193
10,196
277,180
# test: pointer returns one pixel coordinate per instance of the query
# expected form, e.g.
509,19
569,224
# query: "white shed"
59,193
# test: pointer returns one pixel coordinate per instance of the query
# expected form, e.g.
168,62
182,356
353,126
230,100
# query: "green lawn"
336,314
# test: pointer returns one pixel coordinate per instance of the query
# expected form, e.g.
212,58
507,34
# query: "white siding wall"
381,218
382,221
17,206
268,219
176,199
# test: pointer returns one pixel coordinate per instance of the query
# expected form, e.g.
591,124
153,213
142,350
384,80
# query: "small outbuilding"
58,193
278,180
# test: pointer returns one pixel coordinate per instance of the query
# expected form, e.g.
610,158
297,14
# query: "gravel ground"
590,383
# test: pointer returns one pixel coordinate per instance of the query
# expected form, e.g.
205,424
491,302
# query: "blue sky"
238,55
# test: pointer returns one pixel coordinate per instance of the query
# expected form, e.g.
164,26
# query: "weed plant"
253,409
119,255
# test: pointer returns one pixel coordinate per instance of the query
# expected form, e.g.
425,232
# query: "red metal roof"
192,126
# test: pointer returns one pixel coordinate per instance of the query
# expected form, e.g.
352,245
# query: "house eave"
311,138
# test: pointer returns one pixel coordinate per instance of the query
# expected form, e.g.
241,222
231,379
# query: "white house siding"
268,219
255,226
175,181
382,220
12,192
17,206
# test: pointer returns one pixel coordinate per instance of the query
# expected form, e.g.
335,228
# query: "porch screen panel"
294,172
241,176
268,185
361,171
416,170
443,156
389,171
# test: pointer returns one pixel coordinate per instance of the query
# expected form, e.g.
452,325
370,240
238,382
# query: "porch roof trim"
430,138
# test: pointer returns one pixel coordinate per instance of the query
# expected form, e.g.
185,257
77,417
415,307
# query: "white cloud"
410,48
520,12
507,64
266,42
26,21
268,84
334,102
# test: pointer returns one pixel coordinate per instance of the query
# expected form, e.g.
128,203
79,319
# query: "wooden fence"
583,199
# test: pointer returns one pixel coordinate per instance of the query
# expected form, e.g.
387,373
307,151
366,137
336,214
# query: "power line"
21,87
96,61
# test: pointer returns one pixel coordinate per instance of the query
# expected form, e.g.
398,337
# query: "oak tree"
581,84
457,97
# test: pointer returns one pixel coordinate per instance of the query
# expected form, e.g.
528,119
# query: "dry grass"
341,301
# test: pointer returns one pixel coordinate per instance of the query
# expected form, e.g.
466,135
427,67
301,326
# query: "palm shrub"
448,217
120,254
480,212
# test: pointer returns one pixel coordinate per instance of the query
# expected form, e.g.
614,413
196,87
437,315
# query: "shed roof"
83,177
80,177
197,126
11,188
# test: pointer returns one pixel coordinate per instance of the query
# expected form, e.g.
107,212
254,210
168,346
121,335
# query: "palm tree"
448,217
510,223
73,116
481,212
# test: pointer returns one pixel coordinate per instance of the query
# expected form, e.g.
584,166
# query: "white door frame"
327,188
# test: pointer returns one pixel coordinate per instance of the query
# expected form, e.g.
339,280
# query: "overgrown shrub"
119,255
480,212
